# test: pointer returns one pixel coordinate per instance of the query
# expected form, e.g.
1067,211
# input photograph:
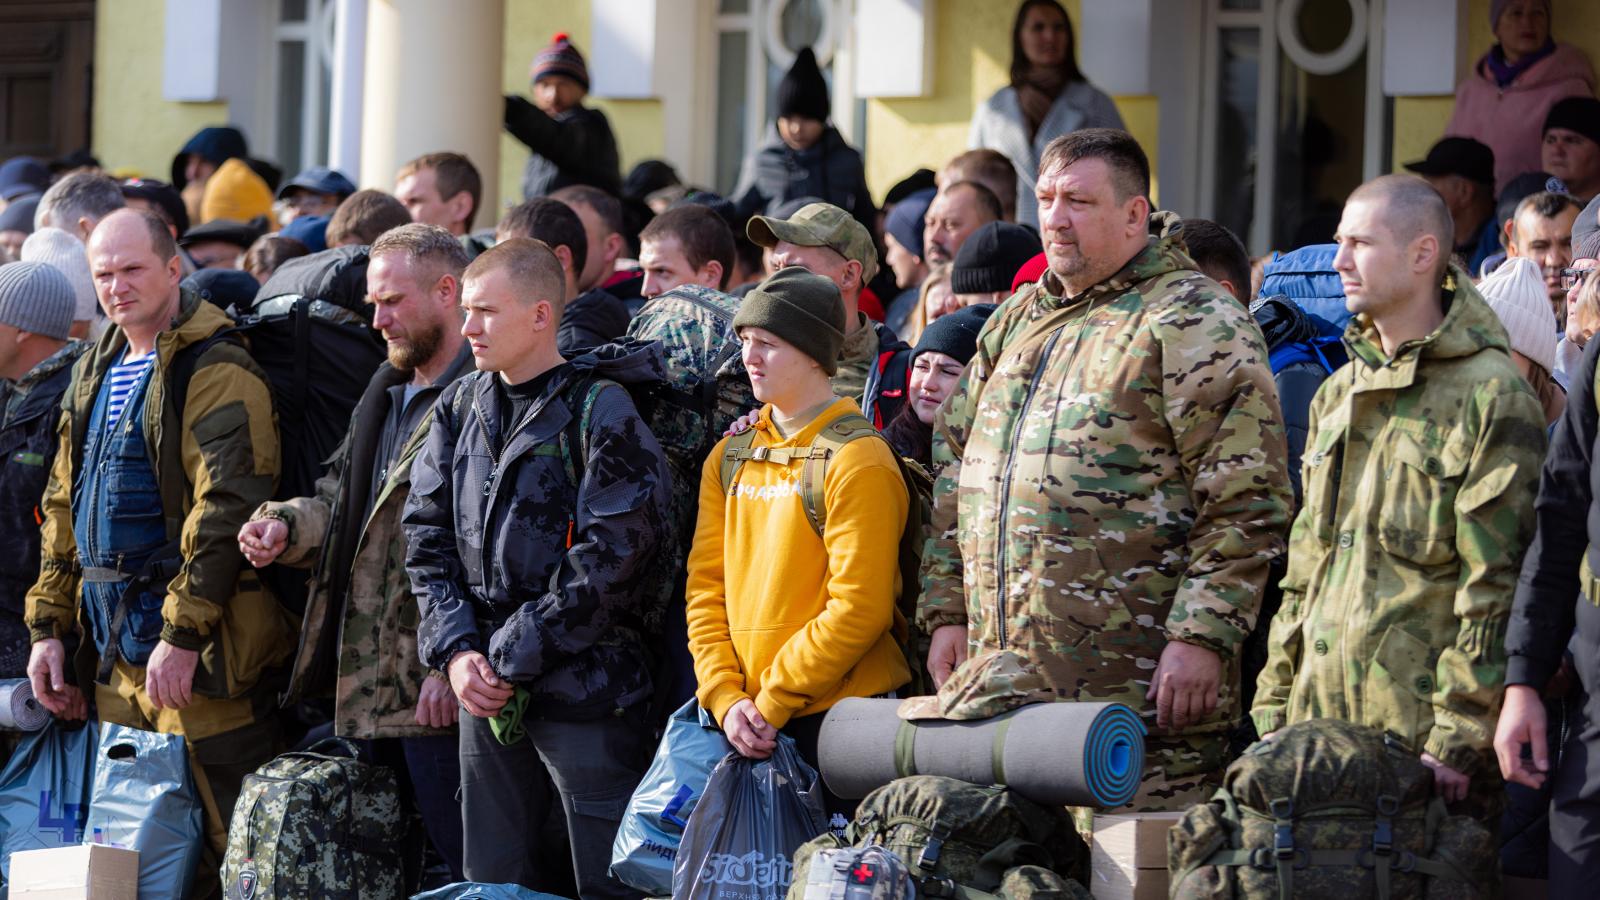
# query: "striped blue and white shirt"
122,380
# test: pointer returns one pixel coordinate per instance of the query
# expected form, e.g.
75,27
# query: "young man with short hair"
440,189
589,318
1420,475
688,244
363,217
1541,230
537,505
784,622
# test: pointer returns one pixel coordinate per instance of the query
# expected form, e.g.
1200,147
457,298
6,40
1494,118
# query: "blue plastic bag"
144,799
472,890
755,814
44,790
647,841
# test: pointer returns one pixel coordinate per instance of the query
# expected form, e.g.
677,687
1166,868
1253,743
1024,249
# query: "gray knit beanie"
803,309
35,297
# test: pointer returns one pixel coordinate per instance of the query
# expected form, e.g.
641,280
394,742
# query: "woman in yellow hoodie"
782,623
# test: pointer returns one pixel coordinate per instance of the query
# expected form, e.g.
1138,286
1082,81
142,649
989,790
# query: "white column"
432,78
349,75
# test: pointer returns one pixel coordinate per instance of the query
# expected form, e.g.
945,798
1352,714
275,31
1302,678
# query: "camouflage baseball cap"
984,686
819,225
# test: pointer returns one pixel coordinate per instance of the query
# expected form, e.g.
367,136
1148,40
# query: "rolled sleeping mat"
1058,754
19,711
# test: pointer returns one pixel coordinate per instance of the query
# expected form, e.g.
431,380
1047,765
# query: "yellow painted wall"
134,127
1420,121
530,24
972,51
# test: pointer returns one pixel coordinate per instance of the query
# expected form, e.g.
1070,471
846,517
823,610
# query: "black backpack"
310,330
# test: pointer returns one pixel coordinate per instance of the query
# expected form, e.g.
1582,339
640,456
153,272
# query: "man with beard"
351,532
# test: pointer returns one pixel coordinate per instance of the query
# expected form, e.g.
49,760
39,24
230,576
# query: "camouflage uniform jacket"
1113,484
1420,474
213,468
540,567
360,631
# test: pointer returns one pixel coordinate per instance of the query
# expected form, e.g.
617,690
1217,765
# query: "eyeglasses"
1571,278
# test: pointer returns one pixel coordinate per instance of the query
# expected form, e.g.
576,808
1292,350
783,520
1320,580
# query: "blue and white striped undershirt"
123,378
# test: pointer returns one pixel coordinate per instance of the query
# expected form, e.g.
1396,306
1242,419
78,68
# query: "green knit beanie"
803,309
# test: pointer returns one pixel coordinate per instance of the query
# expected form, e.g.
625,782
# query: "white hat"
66,253
1517,294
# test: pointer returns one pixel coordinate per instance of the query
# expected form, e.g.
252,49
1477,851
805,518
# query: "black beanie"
955,335
803,309
803,92
991,256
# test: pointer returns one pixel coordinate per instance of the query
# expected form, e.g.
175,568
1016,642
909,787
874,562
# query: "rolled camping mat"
19,711
1058,754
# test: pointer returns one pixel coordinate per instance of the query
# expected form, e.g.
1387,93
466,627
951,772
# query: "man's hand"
748,731
436,705
1522,722
743,423
472,679
1185,684
1447,782
262,540
169,676
47,663
947,649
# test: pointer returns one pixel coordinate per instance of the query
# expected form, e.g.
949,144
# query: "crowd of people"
1114,448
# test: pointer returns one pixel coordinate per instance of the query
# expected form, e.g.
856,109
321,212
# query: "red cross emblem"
862,873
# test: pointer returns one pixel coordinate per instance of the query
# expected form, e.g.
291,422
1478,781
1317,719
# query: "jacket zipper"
1005,484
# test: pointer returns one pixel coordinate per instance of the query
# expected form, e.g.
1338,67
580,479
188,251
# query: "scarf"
1037,93
1494,63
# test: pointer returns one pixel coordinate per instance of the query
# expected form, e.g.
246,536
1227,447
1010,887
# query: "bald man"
139,526
1420,472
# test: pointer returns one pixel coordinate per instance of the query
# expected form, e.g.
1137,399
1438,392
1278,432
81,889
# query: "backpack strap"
734,455
574,463
813,478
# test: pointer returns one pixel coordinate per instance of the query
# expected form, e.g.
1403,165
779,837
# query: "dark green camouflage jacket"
1420,474
1111,485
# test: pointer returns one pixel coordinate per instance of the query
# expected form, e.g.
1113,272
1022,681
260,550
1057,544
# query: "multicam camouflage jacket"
359,636
1112,483
1420,475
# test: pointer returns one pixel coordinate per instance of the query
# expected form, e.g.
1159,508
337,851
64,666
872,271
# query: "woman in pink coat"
1504,101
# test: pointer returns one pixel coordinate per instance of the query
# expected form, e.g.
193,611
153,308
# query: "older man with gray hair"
77,203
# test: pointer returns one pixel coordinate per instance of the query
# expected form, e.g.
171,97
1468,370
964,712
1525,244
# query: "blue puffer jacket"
1306,276
1284,323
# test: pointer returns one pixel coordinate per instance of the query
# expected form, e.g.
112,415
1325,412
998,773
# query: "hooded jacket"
1420,475
27,453
590,319
537,565
213,468
998,124
360,629
830,169
575,147
1510,120
1113,483
1284,323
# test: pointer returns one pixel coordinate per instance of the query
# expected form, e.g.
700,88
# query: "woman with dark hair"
941,354
1048,97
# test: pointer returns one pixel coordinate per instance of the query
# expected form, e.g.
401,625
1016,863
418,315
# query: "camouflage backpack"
1328,809
318,823
813,477
960,840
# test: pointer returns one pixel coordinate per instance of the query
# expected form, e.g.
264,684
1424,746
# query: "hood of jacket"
625,361
1469,327
1282,321
218,144
1567,62
1160,256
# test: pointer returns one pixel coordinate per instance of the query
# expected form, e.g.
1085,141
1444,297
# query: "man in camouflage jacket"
1420,473
359,636
1114,484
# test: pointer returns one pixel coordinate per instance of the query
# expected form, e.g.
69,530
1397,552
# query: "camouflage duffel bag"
317,823
1329,809
954,839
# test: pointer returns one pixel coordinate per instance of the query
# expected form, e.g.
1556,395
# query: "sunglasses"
1571,278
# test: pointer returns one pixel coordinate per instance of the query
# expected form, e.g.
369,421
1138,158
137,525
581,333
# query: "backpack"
1326,350
1328,808
813,480
956,839
1307,277
318,823
310,331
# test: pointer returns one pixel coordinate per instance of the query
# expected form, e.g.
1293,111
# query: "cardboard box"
82,872
1128,856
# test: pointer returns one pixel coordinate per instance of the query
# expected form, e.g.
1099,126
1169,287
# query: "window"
303,58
